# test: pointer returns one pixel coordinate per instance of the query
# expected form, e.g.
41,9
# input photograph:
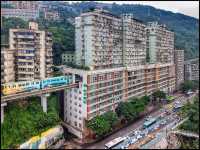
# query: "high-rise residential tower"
33,52
179,67
134,41
191,69
160,43
7,64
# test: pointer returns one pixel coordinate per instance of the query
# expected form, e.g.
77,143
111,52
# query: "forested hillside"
186,28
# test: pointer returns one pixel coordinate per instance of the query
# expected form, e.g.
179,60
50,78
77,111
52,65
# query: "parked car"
139,136
133,140
122,147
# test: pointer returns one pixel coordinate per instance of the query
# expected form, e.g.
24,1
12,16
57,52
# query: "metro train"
24,86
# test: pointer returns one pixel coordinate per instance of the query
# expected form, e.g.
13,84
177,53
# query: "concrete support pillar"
2,111
44,102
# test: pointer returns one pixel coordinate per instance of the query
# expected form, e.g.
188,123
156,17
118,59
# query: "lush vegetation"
170,98
10,23
158,95
188,143
24,120
189,85
103,124
111,117
129,111
191,110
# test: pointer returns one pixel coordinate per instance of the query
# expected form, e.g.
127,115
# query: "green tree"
189,85
10,23
145,99
191,110
111,117
131,109
99,125
158,95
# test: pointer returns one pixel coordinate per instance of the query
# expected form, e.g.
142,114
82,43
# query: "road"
125,131
122,132
162,132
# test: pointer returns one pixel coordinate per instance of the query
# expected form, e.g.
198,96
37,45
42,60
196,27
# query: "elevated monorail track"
14,97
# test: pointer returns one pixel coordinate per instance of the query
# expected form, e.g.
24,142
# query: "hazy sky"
190,8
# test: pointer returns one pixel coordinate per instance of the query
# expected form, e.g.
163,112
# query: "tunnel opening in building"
78,78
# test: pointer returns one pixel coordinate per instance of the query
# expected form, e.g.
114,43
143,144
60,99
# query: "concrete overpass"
42,93
186,133
18,96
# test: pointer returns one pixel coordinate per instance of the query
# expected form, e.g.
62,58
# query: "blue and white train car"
56,81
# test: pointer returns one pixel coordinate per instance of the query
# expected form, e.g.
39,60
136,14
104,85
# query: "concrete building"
107,41
51,15
101,90
115,50
33,52
191,69
25,4
98,40
134,41
179,66
160,43
7,65
22,9
68,57
26,14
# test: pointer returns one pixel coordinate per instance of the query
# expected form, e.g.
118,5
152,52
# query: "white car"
136,132
126,146
122,147
139,137
133,141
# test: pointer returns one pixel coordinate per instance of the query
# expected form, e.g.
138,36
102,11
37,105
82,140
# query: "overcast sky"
190,8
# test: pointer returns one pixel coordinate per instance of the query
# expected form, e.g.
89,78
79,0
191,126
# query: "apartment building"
51,15
25,4
26,14
104,40
98,40
160,43
33,52
7,65
101,90
68,57
191,68
179,66
115,50
134,41
26,10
